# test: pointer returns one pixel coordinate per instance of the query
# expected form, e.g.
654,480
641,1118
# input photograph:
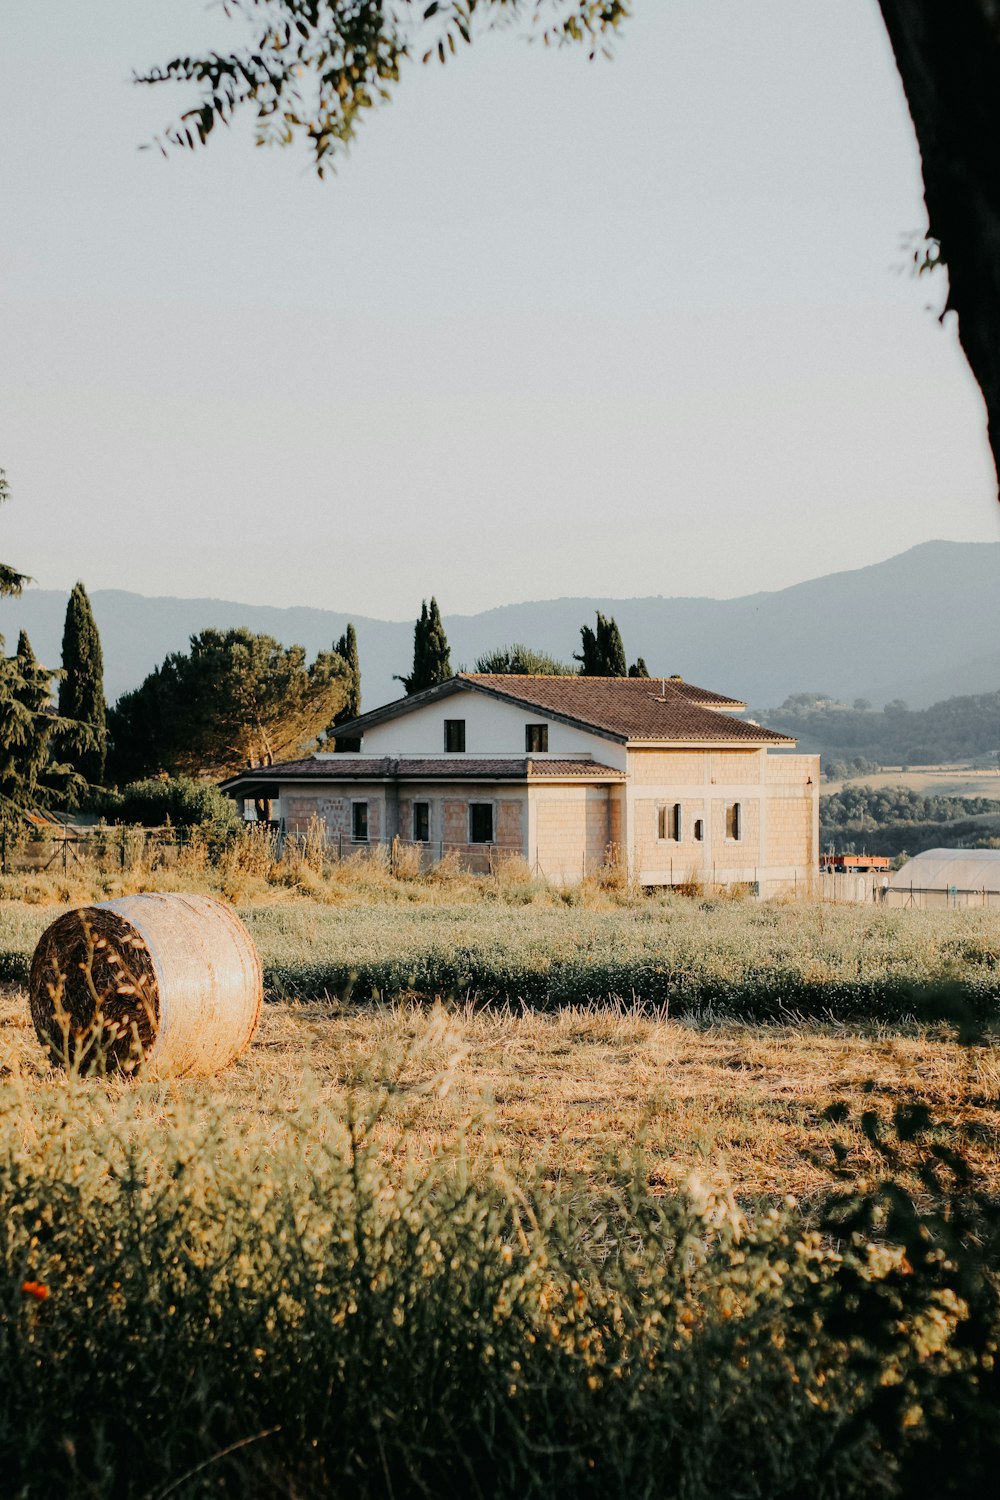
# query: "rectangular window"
480,822
671,822
359,822
536,739
421,822
734,822
699,829
454,735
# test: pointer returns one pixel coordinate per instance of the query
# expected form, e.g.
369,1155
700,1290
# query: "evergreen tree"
602,653
81,691
347,647
638,668
235,699
609,642
29,776
588,658
522,661
11,581
431,656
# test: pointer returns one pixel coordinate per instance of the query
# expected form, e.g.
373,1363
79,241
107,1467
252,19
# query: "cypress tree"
602,653
588,653
81,691
347,647
638,668
431,654
610,648
438,657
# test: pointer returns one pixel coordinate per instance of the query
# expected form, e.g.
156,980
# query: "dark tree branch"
948,56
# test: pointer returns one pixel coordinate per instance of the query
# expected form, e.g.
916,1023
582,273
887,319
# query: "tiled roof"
629,708
618,708
418,768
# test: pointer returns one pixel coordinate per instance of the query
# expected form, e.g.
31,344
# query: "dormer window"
536,739
454,736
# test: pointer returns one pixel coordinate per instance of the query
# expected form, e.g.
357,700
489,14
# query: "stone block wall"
573,828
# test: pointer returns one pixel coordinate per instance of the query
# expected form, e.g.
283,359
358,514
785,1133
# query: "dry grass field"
573,1094
468,1246
572,1097
929,781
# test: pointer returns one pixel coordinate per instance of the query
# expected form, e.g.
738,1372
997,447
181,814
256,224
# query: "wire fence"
101,849
110,849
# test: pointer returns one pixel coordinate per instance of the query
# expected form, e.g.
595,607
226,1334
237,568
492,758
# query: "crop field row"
758,962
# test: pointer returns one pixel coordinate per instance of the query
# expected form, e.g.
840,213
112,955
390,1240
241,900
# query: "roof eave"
693,743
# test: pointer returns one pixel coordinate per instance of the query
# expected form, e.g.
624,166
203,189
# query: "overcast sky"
556,327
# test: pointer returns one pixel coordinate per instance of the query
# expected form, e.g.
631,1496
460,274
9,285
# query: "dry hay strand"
95,999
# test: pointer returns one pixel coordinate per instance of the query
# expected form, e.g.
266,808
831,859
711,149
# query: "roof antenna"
663,687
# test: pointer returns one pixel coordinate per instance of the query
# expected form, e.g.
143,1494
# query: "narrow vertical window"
670,822
480,822
454,735
421,822
734,822
699,829
359,822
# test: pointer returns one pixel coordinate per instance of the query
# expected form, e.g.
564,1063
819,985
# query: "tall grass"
190,1310
759,962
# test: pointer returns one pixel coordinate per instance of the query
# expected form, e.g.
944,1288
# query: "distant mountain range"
921,626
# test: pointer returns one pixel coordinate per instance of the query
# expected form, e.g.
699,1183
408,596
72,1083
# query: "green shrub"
178,800
188,1310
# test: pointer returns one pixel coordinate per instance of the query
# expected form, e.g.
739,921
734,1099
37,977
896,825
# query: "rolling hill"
919,626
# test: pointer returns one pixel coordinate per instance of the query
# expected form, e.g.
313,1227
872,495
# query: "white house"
568,772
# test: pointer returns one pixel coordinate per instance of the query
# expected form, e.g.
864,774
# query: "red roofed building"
570,773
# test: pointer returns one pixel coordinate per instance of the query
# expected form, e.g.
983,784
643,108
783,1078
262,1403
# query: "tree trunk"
948,56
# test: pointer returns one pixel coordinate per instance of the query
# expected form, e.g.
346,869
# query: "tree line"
898,821
601,654
234,699
955,729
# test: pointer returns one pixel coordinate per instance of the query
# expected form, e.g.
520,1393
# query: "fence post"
3,849
123,847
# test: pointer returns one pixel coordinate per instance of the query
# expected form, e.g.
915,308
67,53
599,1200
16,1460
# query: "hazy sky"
556,327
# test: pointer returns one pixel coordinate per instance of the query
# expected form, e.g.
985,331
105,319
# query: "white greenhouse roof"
937,869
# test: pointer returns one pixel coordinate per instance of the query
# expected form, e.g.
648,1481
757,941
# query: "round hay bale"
171,981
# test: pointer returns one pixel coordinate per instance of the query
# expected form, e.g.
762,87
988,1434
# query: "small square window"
454,735
421,822
536,739
359,822
480,822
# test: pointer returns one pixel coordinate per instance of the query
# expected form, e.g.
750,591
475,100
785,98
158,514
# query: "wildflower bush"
191,1309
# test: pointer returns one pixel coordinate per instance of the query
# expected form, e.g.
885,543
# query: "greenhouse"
947,877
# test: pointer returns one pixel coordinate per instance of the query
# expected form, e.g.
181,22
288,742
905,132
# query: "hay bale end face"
169,981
